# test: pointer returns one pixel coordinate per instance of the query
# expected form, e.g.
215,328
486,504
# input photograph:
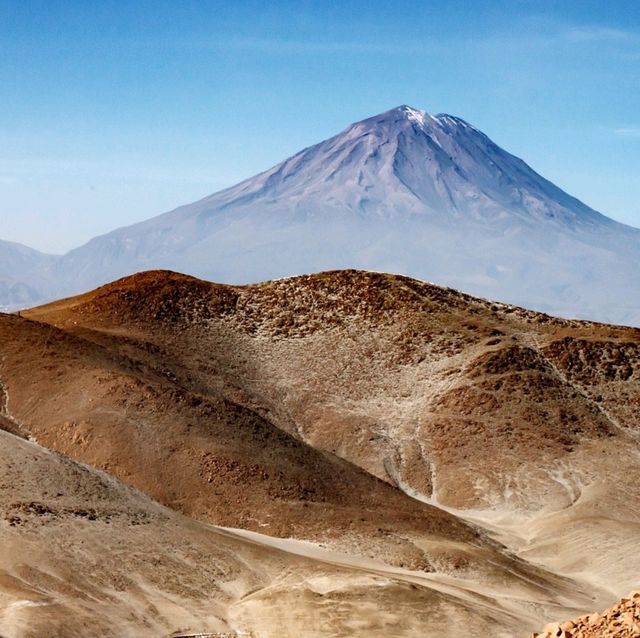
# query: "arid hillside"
84,555
374,415
201,453
410,381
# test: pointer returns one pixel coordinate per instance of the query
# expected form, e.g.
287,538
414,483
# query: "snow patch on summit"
415,115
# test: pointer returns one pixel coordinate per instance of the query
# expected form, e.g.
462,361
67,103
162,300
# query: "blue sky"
113,112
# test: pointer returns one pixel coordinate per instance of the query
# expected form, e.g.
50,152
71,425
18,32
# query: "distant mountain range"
23,275
405,192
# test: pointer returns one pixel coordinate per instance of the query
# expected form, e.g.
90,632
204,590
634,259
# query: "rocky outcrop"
620,621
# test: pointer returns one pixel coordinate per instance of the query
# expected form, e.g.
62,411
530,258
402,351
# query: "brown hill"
272,407
116,403
371,366
200,453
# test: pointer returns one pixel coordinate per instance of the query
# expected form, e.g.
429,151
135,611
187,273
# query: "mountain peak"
402,191
411,113
402,113
405,116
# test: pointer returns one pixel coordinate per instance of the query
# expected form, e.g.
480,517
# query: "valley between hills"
340,454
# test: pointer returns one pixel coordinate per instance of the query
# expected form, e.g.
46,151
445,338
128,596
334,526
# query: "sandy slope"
82,553
523,425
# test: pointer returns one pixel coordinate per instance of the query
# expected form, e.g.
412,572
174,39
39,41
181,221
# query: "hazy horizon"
117,114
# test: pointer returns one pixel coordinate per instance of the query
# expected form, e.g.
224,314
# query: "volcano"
406,192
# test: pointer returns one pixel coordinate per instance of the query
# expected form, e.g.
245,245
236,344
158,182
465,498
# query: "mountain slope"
517,422
115,401
404,191
156,379
201,453
83,554
23,276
